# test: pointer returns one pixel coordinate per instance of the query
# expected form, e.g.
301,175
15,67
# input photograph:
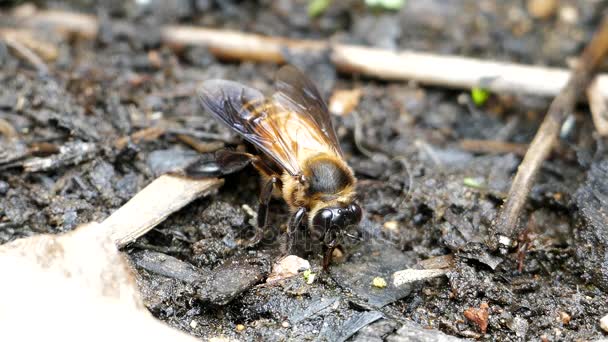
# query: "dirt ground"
197,272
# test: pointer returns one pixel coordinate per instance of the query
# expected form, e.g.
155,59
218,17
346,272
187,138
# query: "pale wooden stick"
152,205
598,104
450,71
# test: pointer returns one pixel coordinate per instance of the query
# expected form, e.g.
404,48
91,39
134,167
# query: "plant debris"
479,316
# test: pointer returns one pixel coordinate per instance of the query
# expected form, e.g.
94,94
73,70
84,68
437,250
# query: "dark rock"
102,176
479,252
167,266
373,261
592,232
311,309
381,31
232,278
17,209
3,187
413,333
350,327
127,186
376,332
7,100
199,56
163,161
202,5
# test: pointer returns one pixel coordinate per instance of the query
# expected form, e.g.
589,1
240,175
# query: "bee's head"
330,223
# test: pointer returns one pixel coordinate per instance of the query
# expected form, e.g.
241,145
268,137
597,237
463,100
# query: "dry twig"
506,226
27,54
493,146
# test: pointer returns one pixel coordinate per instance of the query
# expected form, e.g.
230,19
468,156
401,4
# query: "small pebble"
542,9
193,324
391,225
285,324
604,323
568,14
564,317
343,102
3,187
240,327
288,267
379,282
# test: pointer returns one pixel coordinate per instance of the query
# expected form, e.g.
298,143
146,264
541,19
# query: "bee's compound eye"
355,213
323,218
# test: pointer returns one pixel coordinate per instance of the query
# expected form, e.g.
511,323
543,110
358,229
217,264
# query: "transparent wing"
296,93
247,112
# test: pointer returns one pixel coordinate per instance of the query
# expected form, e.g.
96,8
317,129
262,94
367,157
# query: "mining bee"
298,154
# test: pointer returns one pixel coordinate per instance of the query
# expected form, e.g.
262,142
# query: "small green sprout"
309,277
472,183
479,96
317,7
392,5
379,282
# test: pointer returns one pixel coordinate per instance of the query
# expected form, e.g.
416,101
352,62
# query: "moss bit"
392,5
317,7
379,282
472,183
479,96
309,277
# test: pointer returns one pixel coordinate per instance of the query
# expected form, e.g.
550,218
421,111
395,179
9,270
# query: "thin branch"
449,71
506,226
27,54
493,146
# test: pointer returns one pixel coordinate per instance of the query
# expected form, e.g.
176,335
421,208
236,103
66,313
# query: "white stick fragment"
412,275
599,108
164,196
454,71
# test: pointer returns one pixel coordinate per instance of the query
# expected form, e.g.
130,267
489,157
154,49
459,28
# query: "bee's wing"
297,94
247,112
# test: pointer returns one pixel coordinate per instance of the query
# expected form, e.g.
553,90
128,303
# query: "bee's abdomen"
327,176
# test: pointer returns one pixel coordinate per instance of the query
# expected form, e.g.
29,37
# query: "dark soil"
196,270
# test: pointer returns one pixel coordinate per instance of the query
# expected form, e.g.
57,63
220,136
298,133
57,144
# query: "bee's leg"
219,163
293,227
265,196
328,250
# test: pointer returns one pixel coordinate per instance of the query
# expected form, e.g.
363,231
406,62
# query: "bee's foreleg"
265,194
328,250
294,225
219,163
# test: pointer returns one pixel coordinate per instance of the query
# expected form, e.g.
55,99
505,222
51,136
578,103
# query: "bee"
298,154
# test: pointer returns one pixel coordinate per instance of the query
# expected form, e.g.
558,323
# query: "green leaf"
317,7
392,5
479,96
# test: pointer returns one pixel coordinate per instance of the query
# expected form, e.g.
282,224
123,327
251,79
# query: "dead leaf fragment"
479,316
344,101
